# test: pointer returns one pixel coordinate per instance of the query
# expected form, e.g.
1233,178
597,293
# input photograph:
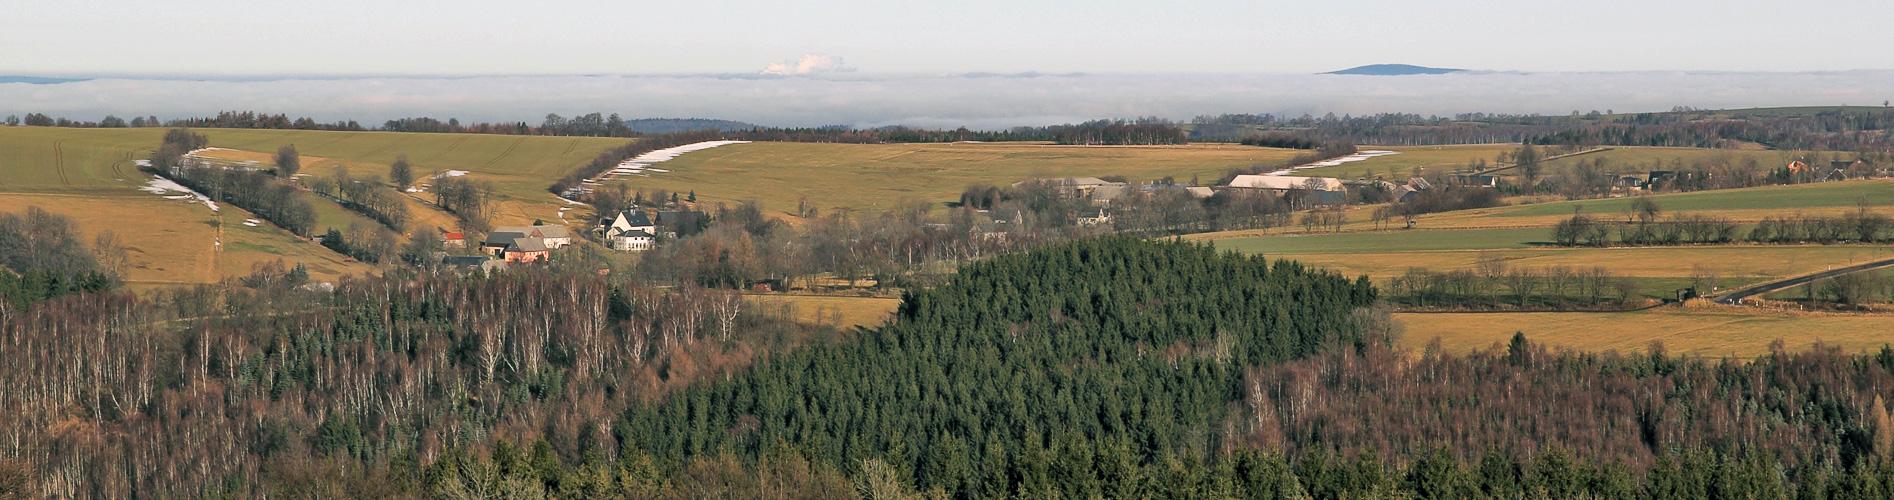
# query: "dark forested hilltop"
1098,368
1116,339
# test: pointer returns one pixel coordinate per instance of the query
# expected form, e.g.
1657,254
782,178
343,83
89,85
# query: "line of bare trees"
1492,283
212,389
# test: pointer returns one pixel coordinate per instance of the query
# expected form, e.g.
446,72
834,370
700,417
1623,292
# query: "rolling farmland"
865,177
1703,331
1517,234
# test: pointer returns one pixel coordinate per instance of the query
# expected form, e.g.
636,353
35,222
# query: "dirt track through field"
450,148
59,162
385,147
509,150
1737,297
120,174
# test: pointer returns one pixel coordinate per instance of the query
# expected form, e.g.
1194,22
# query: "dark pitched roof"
465,260
503,238
636,218
527,245
636,233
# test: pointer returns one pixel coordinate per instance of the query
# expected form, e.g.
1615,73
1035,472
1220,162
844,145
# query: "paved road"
1737,297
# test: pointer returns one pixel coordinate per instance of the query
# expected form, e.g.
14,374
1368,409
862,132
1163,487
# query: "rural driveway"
1737,297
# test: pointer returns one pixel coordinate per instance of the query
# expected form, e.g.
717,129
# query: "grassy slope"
172,241
1401,166
169,241
1382,255
520,167
871,176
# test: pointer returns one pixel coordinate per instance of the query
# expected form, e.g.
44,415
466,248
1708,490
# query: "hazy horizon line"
853,75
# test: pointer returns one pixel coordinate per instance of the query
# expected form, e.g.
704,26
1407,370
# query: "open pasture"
1785,199
840,311
73,161
1431,159
1637,160
176,242
1703,331
68,160
875,176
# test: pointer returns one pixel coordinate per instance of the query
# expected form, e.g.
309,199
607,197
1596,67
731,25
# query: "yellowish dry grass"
174,242
1703,331
1740,262
837,310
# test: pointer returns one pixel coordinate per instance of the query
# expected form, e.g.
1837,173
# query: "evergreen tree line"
1105,341
44,255
263,194
1280,140
373,244
1111,368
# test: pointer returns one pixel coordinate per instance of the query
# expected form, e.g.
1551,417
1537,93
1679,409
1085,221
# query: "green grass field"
63,160
867,177
1786,199
1639,159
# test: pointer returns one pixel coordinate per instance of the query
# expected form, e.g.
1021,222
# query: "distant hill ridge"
1394,70
37,80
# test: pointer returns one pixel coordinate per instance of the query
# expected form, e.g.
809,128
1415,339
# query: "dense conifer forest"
1109,367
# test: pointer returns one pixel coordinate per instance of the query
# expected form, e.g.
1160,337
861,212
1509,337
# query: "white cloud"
809,64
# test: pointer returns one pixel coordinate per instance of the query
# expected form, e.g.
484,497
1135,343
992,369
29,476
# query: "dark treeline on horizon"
1834,129
1839,130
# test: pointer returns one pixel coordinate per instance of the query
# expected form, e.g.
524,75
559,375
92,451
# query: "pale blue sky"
479,37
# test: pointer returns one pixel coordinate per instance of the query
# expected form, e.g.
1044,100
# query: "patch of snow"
450,173
251,224
638,165
1334,162
162,186
142,163
253,221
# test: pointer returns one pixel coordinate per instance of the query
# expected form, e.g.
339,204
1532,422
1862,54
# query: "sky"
272,38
